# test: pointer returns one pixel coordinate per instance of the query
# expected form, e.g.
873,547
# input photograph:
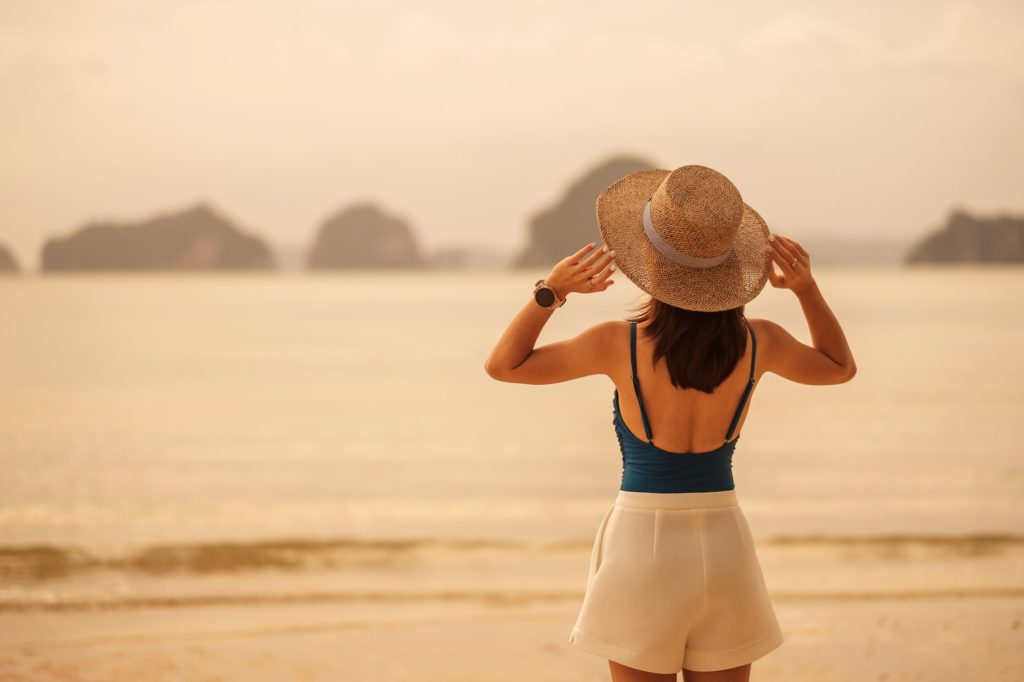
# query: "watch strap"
541,284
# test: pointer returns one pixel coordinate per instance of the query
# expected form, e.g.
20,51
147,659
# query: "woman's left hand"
582,272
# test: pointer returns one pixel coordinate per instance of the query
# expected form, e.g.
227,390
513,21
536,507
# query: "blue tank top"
648,468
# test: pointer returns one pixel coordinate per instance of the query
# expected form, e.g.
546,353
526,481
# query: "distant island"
197,238
8,264
570,222
838,250
364,236
968,239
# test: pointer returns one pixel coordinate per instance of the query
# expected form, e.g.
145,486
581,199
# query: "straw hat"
686,237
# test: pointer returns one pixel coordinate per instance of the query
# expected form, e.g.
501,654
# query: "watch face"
545,297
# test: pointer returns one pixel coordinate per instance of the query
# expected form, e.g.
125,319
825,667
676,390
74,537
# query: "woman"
674,581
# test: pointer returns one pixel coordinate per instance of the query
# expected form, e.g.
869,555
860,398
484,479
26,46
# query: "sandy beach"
970,638
898,609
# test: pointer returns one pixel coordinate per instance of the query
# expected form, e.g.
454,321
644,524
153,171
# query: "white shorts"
674,582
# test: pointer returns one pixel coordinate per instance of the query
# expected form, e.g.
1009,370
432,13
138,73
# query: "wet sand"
882,609
935,639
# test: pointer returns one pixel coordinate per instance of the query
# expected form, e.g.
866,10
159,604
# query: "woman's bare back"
682,420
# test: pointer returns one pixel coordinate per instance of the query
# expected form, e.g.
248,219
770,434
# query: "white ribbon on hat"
678,256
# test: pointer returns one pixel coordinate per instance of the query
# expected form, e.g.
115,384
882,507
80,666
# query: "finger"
794,254
796,247
575,258
601,261
782,260
595,282
588,260
775,278
780,244
602,282
783,251
604,274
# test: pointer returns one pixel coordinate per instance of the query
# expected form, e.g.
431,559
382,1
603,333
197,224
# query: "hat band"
678,256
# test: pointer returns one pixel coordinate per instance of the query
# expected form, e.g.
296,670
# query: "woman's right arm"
829,360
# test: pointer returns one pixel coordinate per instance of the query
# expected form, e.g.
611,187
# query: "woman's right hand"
793,261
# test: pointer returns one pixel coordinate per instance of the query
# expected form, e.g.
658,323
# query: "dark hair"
701,349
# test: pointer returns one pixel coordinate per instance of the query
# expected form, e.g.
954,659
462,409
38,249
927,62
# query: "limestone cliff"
569,223
363,236
197,238
968,239
8,264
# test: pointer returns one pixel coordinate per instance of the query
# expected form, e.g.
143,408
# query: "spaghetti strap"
636,381
750,383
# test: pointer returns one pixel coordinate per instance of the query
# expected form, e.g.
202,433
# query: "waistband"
640,500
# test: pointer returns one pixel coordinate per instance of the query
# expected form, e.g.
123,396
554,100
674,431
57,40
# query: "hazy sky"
870,118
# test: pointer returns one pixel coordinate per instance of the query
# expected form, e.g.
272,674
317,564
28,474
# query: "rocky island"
969,239
364,236
197,238
571,222
8,264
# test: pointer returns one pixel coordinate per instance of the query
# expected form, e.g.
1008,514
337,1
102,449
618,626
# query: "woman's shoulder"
611,328
610,336
763,328
613,335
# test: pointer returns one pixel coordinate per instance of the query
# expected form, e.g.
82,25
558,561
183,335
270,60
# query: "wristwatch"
545,296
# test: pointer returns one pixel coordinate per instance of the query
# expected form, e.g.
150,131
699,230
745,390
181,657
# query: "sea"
158,424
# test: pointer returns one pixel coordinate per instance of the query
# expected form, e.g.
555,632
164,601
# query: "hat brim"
735,281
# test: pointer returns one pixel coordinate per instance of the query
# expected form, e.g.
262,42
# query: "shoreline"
938,639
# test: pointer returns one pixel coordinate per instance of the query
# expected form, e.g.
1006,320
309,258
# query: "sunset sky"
837,118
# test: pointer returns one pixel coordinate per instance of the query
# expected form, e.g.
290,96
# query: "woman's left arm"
514,358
